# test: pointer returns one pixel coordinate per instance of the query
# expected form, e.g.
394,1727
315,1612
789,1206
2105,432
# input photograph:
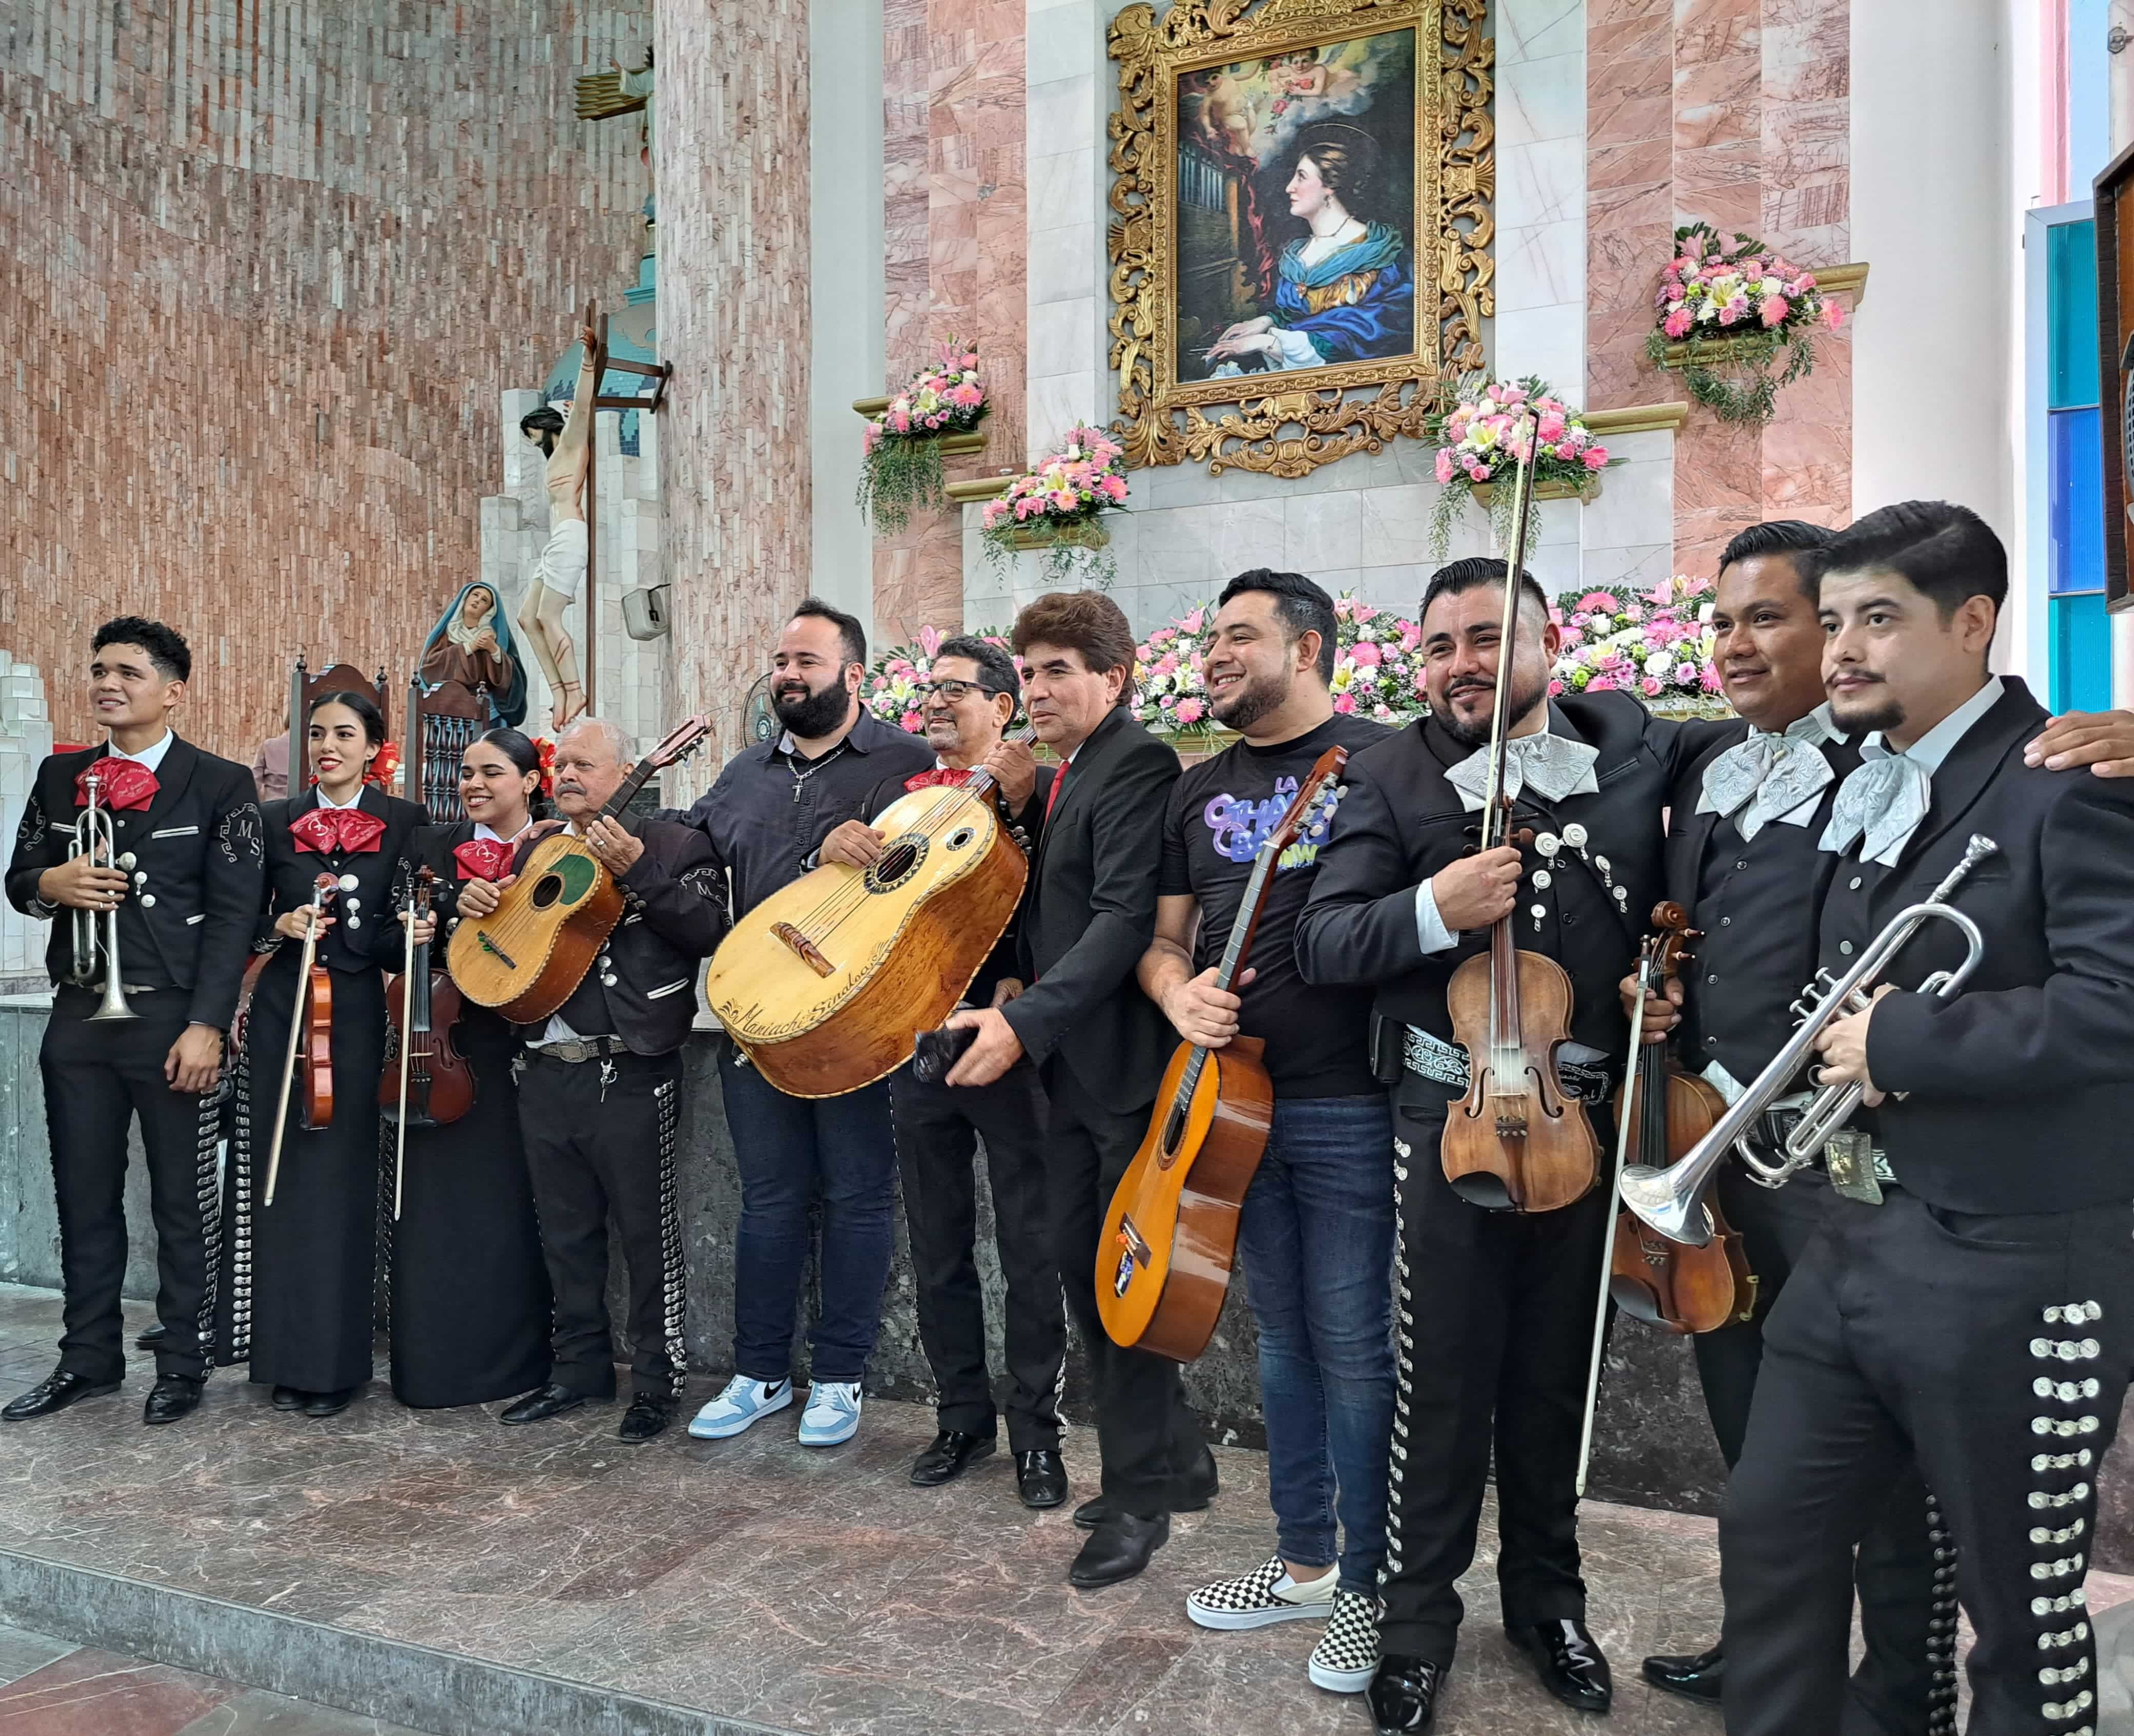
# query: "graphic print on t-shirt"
1241,825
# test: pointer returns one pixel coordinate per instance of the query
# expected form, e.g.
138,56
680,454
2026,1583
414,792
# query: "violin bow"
1493,816
323,885
407,1048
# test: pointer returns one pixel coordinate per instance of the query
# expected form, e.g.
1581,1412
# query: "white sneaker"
1346,1657
833,1414
742,1403
1265,1595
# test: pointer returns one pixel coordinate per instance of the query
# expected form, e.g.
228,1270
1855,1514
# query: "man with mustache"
767,816
1966,1302
970,698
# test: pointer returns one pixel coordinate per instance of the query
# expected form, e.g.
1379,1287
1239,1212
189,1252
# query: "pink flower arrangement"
1657,643
1486,426
1711,291
1079,481
947,398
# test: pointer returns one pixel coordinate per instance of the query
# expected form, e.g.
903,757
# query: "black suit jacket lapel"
1087,758
1963,777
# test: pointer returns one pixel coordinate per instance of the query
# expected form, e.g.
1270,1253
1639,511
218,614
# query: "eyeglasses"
951,691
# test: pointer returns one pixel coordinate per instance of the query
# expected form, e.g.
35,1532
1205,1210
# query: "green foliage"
899,476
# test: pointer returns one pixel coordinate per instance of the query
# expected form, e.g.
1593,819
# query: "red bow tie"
121,783
939,775
483,858
349,831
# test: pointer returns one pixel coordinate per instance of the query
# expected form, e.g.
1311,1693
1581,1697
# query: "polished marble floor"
811,1592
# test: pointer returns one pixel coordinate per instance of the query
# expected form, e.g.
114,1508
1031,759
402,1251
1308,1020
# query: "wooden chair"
305,687
442,723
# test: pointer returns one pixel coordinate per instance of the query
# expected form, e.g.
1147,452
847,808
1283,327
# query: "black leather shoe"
150,1337
1568,1661
646,1417
1700,1678
952,1451
1403,1694
1202,1486
57,1391
330,1404
289,1398
542,1402
1040,1479
1117,1550
172,1397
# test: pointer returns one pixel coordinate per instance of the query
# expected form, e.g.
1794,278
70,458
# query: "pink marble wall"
954,220
1735,112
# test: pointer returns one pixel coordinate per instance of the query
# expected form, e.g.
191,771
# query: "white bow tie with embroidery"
1768,777
1881,805
1554,765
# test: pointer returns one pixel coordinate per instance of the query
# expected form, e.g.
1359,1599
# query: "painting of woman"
471,644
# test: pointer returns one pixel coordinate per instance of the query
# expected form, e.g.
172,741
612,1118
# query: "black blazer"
2021,1090
1089,914
673,901
366,933
188,925
1688,831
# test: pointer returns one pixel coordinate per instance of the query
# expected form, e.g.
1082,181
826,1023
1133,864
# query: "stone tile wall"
269,270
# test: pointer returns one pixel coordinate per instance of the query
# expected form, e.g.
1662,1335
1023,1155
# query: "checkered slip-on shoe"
1347,1654
1265,1595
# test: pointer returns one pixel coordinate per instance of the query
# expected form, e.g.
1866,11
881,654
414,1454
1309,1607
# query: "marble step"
363,1673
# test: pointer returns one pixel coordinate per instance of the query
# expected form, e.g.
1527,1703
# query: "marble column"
734,460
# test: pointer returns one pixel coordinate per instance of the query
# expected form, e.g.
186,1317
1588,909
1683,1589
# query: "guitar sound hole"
897,864
1174,1128
547,891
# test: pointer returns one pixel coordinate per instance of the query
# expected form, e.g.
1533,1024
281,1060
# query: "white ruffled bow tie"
1554,765
1769,776
1881,805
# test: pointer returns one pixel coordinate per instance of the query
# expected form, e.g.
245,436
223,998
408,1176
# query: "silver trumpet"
1672,1199
96,838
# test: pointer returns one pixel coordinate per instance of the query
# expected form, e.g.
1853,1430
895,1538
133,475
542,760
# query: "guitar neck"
980,781
1256,888
626,791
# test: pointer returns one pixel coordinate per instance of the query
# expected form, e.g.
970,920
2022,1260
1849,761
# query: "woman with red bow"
304,1268
469,1291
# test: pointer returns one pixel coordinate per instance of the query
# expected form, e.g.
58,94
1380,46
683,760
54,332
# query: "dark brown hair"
1347,158
1087,621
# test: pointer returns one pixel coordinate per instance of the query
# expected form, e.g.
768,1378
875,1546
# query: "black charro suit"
1496,1309
1982,1318
1097,1042
600,1131
184,934
1755,904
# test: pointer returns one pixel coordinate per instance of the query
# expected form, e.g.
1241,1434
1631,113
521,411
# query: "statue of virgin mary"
471,645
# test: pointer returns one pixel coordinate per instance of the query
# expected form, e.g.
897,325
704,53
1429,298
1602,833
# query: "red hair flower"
385,769
546,750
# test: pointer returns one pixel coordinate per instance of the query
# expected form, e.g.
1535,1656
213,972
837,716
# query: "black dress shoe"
952,1452
1700,1678
57,1391
646,1417
330,1404
541,1403
1568,1661
172,1397
1117,1550
1403,1694
1201,1485
289,1398
1040,1479
150,1337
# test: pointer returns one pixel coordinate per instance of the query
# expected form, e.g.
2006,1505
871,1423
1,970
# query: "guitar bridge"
482,936
1133,1251
808,952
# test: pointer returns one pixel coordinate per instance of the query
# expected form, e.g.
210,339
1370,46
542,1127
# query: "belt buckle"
1854,1167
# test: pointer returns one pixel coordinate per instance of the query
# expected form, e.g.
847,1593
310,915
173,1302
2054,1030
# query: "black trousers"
600,1138
1494,1331
1893,1571
98,1078
1146,1436
938,1128
1995,1352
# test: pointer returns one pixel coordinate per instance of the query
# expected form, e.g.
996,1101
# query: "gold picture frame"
1218,60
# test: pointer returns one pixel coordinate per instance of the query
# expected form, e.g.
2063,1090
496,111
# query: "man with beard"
1504,1300
970,697
767,815
1315,1239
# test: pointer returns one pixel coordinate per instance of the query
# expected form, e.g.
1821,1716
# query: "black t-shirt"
1220,812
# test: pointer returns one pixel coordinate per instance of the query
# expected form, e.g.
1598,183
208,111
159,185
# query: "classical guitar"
1163,1260
526,956
826,984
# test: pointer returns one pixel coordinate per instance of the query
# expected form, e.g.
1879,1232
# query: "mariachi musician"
599,1094
180,897
471,1301
305,1264
1967,1301
1496,1308
971,696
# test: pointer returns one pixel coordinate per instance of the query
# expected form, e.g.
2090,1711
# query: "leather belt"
1432,1057
579,1049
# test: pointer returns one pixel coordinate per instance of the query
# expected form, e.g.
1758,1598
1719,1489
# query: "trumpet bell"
115,1005
1670,1201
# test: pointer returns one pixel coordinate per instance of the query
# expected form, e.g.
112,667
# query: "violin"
1667,1283
1515,1142
311,1038
432,1085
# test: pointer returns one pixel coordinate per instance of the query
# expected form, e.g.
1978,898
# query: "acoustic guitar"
1170,1233
527,956
826,984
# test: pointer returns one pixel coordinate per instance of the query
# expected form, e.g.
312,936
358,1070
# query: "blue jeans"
1316,1243
789,1150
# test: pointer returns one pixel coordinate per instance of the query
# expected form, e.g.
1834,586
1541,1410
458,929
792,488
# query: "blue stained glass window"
2082,653
2075,487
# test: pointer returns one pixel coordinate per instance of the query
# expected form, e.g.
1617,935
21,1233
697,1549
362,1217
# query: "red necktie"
350,831
1059,783
939,775
483,858
122,783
